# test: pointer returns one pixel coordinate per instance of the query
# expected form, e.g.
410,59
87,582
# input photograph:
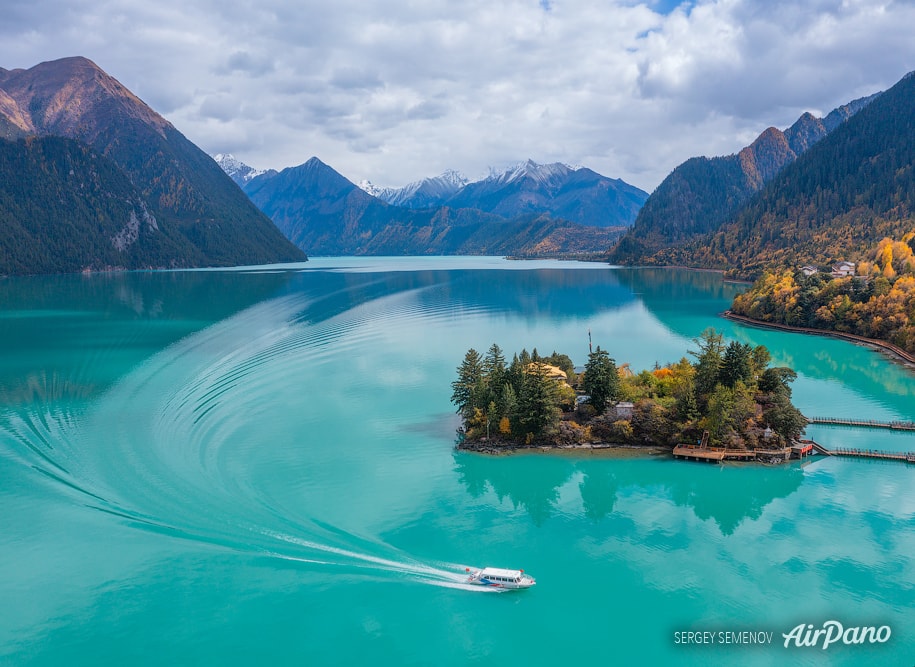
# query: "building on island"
622,410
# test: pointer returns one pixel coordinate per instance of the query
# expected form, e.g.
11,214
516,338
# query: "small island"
727,399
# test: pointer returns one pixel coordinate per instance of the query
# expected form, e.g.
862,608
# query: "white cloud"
399,90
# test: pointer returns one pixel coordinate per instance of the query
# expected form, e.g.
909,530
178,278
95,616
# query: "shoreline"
896,353
598,450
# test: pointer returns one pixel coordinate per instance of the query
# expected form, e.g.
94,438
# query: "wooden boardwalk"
867,423
908,457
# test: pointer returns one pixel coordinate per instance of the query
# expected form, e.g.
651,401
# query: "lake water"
256,466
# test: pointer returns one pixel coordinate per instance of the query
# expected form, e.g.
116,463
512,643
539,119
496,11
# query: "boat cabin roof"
499,572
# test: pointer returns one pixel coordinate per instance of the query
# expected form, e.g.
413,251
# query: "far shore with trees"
876,302
728,389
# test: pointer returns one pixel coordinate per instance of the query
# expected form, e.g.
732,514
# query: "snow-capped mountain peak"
372,189
420,194
541,173
236,169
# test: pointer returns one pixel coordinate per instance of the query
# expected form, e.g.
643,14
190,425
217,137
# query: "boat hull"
501,579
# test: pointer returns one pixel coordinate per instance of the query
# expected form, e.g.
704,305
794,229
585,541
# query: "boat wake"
176,445
446,575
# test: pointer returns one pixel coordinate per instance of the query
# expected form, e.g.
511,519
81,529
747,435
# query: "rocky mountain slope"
203,219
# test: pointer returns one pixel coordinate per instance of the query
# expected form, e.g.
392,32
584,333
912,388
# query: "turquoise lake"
257,466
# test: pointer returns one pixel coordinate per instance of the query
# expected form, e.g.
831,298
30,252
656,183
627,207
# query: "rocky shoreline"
892,351
601,449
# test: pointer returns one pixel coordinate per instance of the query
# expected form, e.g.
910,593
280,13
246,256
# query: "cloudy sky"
394,91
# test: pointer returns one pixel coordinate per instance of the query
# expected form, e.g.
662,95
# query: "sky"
395,91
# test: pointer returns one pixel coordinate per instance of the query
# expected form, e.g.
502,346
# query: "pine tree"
494,372
737,365
708,361
601,380
537,404
467,387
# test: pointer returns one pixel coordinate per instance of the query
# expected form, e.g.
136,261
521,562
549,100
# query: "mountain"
702,193
203,218
579,195
237,170
318,209
851,189
426,193
528,188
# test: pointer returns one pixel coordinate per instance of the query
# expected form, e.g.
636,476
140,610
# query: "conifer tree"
466,388
601,380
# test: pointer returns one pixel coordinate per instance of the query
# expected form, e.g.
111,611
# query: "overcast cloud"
394,91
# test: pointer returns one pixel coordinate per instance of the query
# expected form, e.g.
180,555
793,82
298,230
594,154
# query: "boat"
495,577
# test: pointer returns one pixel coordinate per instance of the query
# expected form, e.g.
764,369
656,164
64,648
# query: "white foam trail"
436,575
468,587
297,559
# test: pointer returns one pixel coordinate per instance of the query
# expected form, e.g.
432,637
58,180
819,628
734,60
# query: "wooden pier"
908,457
799,450
719,454
867,423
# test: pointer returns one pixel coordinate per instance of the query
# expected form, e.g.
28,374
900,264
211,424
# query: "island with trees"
728,391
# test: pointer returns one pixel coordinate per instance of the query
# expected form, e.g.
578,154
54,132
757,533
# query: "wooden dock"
696,453
866,423
800,450
719,454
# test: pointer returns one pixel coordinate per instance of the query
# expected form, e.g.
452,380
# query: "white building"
843,269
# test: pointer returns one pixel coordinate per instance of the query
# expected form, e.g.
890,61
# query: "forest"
728,389
878,302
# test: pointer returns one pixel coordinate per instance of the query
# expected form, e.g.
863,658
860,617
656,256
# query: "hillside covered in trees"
702,194
843,194
878,302
64,208
729,391
854,187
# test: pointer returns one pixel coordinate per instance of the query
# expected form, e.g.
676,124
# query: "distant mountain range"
702,193
317,208
92,178
530,209
579,195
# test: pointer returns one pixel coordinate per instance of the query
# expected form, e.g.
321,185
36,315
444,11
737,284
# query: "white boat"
495,577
